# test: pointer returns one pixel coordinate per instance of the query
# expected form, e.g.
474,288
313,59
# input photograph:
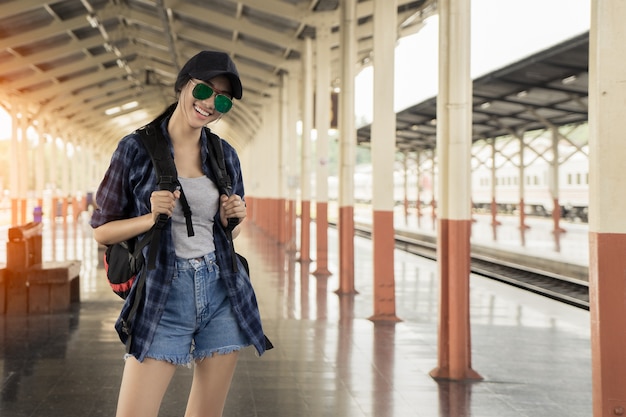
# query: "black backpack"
124,260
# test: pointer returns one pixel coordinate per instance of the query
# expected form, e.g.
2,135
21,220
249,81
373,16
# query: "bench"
3,296
53,286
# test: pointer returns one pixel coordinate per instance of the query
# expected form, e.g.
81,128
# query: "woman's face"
199,112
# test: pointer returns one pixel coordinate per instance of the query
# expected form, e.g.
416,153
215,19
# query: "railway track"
568,290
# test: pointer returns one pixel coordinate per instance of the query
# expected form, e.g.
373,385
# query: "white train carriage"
573,188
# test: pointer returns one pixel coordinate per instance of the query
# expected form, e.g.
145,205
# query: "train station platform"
330,360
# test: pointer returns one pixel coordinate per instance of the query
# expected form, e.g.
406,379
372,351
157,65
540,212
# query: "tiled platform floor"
329,360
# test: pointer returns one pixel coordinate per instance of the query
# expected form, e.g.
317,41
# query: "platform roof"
546,89
68,61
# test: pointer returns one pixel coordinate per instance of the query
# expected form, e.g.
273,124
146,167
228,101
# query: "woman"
197,307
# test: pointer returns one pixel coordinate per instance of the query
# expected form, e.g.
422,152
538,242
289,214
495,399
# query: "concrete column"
292,180
247,165
65,177
270,157
305,167
433,187
281,200
405,187
418,206
494,179
383,144
347,140
322,124
14,177
607,205
522,186
40,166
24,168
52,174
454,141
554,183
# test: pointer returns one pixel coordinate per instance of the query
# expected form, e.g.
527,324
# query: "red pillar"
15,210
321,223
607,286
281,219
305,231
607,203
454,323
454,139
291,225
384,281
346,250
556,216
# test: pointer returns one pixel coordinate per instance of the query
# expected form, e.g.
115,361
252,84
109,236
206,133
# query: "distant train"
573,188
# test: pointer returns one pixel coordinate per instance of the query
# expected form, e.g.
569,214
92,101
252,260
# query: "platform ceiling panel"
100,68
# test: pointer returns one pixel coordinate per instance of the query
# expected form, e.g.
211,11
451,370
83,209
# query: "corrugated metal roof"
546,89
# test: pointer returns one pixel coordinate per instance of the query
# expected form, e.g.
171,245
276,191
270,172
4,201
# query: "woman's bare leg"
211,382
143,387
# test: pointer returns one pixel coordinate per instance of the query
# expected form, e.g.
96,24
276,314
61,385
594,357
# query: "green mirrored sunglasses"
202,91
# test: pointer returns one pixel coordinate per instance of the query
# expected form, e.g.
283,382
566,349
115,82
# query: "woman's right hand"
163,202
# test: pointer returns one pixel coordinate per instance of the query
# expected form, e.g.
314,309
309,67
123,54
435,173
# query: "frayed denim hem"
185,362
199,356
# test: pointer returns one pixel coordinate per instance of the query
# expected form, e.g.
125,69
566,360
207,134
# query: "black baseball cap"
209,64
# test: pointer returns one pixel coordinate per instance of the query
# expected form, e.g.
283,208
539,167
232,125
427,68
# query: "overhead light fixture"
522,93
485,105
112,110
569,80
93,21
129,105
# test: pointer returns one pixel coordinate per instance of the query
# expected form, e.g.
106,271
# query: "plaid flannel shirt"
125,192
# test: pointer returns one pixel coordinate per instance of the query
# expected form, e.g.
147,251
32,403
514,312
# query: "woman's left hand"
230,207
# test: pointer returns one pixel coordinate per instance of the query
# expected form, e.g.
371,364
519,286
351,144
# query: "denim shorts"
198,320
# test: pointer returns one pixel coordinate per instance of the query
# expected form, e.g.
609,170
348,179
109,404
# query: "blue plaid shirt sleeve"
122,191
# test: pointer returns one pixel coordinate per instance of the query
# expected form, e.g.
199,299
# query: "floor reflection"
455,399
330,359
31,343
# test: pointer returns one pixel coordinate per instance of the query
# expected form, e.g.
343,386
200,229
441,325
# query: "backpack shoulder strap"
159,152
218,165
165,169
224,183
167,179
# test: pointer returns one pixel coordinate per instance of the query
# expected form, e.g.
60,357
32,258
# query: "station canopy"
547,89
101,68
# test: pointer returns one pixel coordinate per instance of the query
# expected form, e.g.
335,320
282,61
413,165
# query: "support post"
348,147
454,141
383,159
607,204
